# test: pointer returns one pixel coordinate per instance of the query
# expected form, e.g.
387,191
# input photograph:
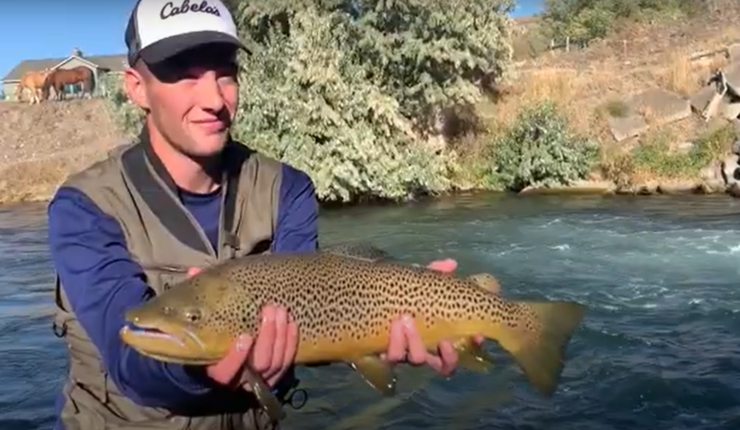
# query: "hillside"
41,144
596,88
614,90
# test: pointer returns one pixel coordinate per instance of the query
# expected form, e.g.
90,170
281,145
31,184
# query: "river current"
659,347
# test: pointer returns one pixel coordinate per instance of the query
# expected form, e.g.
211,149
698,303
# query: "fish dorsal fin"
359,250
486,281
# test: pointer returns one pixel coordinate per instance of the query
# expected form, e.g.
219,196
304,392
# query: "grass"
654,159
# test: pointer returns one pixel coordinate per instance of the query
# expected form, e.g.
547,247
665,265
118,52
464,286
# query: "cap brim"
171,46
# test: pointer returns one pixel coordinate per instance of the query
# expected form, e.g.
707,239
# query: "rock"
730,110
578,187
732,77
730,170
627,127
646,189
700,99
734,190
685,187
711,173
685,147
711,187
733,52
736,146
661,105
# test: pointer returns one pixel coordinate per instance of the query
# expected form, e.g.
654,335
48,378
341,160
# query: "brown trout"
343,305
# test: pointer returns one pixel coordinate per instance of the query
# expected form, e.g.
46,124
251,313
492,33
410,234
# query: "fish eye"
193,315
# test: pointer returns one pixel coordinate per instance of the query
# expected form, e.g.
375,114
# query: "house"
99,64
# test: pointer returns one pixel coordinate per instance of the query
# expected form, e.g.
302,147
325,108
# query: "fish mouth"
167,342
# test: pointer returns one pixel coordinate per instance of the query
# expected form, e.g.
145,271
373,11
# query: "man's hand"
269,355
406,344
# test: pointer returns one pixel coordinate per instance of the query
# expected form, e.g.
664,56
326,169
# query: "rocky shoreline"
722,177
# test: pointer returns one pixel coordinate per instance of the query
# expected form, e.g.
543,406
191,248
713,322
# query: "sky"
35,29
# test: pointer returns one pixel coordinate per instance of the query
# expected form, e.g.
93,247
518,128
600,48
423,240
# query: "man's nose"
209,95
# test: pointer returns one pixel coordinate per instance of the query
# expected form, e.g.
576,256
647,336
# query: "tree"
352,92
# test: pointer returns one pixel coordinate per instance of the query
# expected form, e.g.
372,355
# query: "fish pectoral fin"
486,281
264,396
376,372
471,356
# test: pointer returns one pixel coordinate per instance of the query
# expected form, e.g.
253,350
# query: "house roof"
113,63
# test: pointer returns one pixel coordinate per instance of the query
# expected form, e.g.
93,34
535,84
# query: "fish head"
180,325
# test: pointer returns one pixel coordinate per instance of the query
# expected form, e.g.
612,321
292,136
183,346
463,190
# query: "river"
659,348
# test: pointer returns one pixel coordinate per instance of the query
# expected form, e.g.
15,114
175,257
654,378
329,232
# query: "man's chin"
208,146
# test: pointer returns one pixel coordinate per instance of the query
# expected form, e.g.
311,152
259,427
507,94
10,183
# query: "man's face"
191,98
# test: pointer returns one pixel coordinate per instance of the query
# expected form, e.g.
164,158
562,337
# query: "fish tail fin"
539,340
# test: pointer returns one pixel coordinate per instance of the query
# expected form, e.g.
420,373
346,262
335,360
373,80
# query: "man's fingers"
291,348
263,345
446,266
397,343
448,357
417,353
230,366
279,342
478,339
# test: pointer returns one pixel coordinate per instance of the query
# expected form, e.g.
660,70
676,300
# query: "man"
184,194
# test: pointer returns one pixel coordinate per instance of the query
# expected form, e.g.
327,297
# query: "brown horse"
61,77
33,81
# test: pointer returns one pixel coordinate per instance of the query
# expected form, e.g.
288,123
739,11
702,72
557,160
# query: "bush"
541,151
352,92
654,156
585,20
127,116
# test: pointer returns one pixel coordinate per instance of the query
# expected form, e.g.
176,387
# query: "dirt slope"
41,144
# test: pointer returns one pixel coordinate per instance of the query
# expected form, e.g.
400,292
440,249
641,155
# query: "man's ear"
134,85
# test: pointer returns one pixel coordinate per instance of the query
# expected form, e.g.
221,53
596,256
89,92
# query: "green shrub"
541,151
127,116
351,92
654,154
585,20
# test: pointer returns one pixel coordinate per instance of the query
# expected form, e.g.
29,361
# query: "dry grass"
593,84
36,180
42,144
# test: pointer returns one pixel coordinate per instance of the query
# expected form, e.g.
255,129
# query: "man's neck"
195,176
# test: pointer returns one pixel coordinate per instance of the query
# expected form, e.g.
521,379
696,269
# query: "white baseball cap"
159,29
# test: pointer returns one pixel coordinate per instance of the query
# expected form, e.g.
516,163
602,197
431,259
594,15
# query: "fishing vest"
132,186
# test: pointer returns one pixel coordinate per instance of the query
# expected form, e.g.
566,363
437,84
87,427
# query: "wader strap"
153,185
59,325
235,159
152,190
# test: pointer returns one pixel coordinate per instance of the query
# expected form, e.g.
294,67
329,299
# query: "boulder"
732,77
734,190
730,110
733,52
577,187
730,170
627,127
680,187
661,105
700,99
